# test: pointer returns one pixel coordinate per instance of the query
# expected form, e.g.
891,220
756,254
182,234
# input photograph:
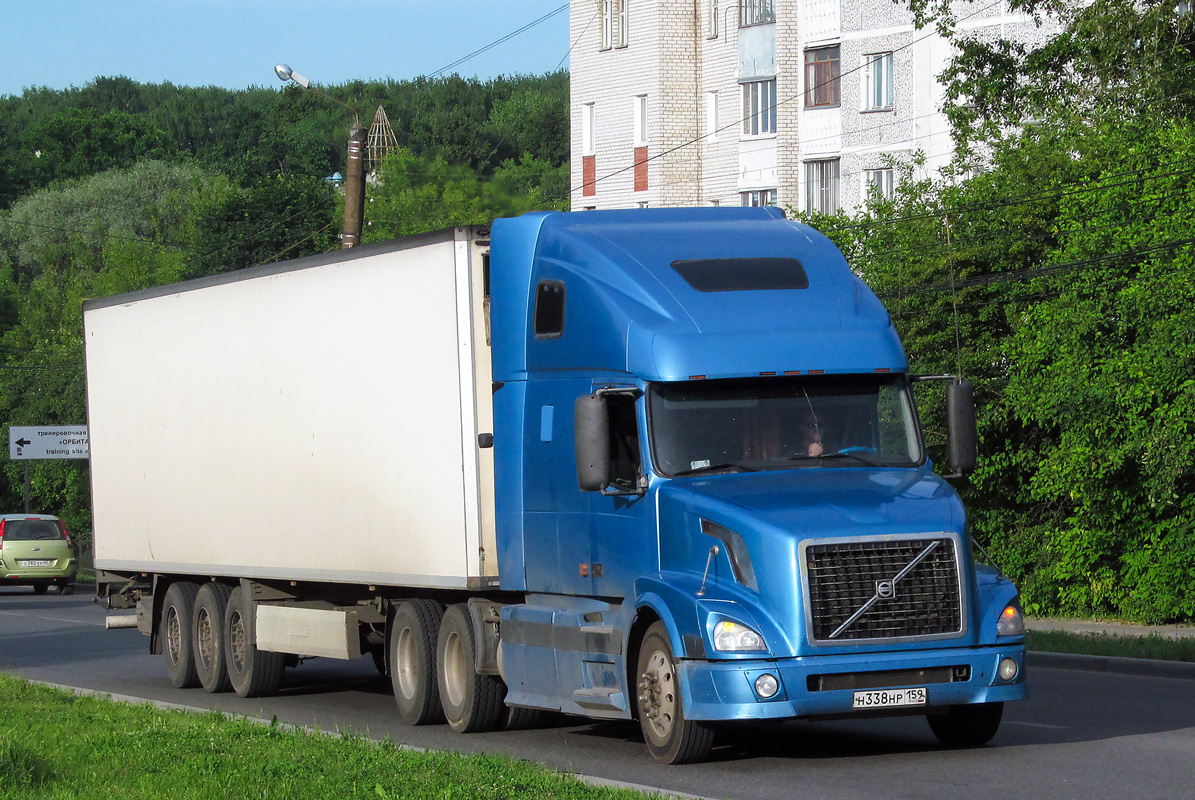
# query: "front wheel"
967,726
670,737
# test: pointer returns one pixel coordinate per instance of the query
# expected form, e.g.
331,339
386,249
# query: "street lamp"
354,178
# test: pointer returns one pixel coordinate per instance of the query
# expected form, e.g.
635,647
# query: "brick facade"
685,63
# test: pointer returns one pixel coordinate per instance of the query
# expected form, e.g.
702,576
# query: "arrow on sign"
23,442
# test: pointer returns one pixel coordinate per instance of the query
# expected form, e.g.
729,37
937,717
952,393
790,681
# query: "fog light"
766,686
1008,669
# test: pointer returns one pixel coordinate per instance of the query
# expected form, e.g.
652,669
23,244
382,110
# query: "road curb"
1113,664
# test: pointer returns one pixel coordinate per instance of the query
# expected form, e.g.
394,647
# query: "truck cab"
712,487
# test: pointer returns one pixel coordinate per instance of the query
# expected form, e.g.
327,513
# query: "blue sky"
236,43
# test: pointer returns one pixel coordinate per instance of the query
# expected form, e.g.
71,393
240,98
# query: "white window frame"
759,108
639,121
881,180
823,181
753,198
877,83
588,129
606,26
715,20
623,23
713,120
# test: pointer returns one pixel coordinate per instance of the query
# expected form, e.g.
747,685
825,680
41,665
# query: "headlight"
1011,622
733,636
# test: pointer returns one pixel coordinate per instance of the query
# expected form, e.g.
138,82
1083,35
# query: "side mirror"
960,411
591,427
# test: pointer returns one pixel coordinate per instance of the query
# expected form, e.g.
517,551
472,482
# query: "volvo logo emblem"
886,590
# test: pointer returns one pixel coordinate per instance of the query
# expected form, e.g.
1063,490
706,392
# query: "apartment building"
799,103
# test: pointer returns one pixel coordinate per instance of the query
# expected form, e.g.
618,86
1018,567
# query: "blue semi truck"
653,464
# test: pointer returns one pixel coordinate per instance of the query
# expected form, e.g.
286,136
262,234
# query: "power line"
497,42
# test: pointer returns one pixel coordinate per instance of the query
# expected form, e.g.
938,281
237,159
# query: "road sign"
42,442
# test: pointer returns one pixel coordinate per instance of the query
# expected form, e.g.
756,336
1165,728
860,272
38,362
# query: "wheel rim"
454,669
237,642
205,638
657,695
174,636
406,668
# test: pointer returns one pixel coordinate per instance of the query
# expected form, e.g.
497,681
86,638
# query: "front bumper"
725,690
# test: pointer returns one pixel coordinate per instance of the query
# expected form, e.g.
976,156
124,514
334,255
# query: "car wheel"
40,588
968,725
471,702
207,636
178,611
252,672
413,635
66,588
670,737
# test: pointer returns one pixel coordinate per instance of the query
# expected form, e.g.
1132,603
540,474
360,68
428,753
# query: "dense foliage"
1061,281
120,186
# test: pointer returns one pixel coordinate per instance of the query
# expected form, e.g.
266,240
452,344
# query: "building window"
758,197
756,12
821,77
877,81
639,120
821,186
881,182
713,122
715,19
759,108
588,119
614,23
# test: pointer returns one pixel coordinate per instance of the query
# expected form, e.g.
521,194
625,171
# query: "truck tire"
413,634
967,725
515,718
178,611
670,737
252,672
207,636
472,703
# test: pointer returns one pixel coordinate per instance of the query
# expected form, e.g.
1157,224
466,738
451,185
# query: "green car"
35,550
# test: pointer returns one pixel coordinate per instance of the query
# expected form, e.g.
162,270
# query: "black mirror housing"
960,411
591,427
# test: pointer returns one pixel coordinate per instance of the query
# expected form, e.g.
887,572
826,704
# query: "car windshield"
773,423
31,530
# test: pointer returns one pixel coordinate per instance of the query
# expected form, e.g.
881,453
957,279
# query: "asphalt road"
1081,735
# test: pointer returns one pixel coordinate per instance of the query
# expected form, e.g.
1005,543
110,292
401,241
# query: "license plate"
38,562
890,698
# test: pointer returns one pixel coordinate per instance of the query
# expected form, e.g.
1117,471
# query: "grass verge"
54,744
1100,644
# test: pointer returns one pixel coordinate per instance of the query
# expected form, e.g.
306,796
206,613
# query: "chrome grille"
882,589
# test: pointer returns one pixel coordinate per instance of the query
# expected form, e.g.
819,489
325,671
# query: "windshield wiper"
728,466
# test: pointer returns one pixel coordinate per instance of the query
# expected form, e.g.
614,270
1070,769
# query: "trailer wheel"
178,610
472,702
967,725
670,737
515,718
207,636
252,672
413,634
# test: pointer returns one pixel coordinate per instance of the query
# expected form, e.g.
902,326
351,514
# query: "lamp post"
354,173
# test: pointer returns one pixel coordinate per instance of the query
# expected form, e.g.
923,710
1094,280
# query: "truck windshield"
749,424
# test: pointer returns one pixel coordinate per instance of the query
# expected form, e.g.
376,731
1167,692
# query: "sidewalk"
1123,666
1109,628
